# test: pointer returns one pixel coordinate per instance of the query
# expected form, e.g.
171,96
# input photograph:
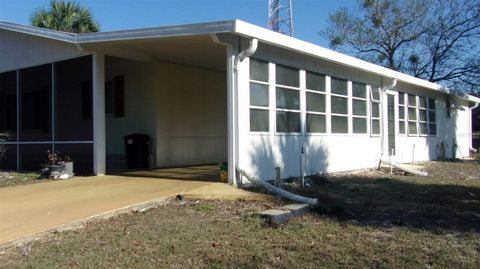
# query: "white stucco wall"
260,153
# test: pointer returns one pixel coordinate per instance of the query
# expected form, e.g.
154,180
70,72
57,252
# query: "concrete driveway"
28,210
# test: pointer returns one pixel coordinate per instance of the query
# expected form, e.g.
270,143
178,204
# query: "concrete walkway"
28,210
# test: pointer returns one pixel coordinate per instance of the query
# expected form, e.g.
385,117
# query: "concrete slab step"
279,216
297,209
276,216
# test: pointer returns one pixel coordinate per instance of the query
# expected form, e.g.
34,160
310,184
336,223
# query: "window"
402,120
432,118
339,103
359,108
423,115
115,97
287,99
315,100
375,108
412,114
259,98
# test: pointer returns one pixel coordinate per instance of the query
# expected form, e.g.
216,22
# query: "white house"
225,91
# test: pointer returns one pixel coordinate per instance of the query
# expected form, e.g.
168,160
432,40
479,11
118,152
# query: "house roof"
237,27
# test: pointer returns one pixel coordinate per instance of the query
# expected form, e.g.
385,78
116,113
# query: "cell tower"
280,16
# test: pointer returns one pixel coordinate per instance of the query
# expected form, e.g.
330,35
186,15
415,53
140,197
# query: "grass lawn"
368,220
8,179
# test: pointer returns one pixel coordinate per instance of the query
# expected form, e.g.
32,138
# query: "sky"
309,16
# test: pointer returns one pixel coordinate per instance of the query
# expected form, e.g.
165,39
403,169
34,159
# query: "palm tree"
65,16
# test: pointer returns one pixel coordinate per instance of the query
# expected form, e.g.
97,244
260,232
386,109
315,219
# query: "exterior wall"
21,50
260,153
181,107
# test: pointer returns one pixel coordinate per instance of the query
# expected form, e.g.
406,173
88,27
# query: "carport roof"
236,27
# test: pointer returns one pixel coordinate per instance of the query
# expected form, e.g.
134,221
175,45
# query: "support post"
98,102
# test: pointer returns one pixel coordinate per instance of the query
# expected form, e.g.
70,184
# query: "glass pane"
73,100
315,82
432,117
258,120
412,101
339,86
288,122
8,105
359,125
431,103
432,128
401,125
401,112
359,90
423,114
423,128
34,157
288,99
376,110
401,98
316,123
339,105
36,103
359,107
412,128
412,114
258,94
258,70
339,124
287,76
375,126
8,157
80,154
315,102
422,102
376,93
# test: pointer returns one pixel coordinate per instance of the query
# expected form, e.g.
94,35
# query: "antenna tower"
280,16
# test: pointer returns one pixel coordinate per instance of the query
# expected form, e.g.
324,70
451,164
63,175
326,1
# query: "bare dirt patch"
370,220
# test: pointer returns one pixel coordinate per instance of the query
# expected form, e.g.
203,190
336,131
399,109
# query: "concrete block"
276,216
297,209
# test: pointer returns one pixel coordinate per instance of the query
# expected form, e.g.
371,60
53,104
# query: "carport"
174,89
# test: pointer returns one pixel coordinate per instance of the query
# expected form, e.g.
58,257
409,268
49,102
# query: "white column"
98,101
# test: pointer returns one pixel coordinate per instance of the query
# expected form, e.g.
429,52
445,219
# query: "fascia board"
281,40
167,31
37,31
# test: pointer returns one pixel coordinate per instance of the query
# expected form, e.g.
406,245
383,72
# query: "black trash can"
136,148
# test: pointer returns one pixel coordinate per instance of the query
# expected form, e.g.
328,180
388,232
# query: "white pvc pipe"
283,193
406,169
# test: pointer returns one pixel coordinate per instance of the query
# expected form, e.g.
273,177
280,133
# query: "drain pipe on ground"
280,192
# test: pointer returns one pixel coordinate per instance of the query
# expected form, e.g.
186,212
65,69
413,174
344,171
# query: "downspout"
239,58
471,128
384,89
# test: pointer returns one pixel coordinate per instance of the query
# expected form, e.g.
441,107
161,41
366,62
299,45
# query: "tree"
65,16
434,40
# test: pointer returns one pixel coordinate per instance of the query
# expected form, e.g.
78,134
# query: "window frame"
288,110
366,116
404,121
255,107
373,102
316,92
347,115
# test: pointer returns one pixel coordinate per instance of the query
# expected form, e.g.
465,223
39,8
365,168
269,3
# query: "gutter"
234,117
475,106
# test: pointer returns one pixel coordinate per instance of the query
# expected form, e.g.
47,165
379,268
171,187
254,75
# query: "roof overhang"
131,40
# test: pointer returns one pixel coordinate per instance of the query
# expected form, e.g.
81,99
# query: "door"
391,123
